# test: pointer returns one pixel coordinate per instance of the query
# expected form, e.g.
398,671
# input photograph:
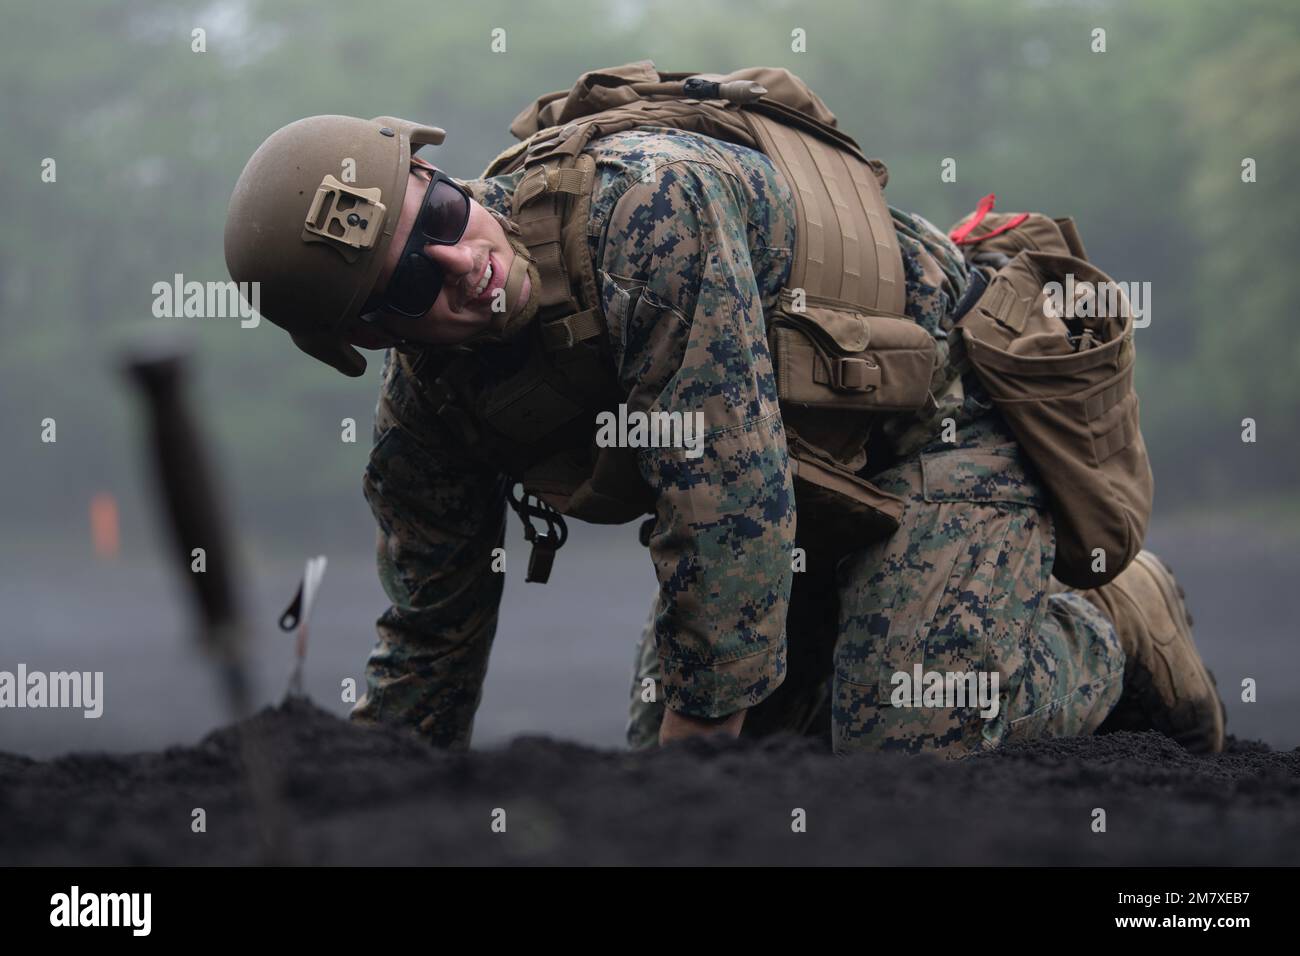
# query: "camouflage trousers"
962,587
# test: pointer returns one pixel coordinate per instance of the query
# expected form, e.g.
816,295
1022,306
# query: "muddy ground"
361,796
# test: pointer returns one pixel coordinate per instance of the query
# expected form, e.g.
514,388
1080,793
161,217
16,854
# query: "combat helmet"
311,217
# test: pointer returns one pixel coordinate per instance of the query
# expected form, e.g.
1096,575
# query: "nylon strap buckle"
566,332
542,180
849,374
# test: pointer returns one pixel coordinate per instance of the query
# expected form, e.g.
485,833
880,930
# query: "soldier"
650,267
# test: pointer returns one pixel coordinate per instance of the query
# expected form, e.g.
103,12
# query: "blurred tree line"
1142,144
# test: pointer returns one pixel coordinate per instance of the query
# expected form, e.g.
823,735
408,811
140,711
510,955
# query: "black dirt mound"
351,795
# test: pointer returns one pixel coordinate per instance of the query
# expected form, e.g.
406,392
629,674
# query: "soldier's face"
464,306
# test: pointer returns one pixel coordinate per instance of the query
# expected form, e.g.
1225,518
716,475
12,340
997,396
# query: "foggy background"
1142,144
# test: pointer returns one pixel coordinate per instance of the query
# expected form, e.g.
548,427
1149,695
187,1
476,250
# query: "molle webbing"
550,208
845,247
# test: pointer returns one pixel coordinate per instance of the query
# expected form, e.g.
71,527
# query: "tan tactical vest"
842,349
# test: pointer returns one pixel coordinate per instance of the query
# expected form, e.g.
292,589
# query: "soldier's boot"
1166,684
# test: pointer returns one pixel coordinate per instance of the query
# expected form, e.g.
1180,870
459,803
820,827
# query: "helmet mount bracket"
344,216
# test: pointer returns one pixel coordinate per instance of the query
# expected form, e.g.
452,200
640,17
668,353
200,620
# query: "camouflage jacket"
686,266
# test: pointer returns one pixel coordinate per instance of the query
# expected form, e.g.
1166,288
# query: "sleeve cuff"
719,689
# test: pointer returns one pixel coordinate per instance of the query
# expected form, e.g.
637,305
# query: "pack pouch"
836,368
830,355
1061,373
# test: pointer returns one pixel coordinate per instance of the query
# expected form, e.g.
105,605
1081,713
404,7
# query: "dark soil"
360,796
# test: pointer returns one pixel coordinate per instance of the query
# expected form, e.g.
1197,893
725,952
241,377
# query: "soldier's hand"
677,726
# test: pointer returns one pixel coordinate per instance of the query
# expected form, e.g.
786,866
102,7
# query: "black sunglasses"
417,280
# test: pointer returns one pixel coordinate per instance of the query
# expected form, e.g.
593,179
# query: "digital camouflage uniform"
686,264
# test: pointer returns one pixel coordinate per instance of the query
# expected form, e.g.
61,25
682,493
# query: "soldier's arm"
440,515
688,332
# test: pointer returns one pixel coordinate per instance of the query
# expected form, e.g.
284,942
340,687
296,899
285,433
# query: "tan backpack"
1059,367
